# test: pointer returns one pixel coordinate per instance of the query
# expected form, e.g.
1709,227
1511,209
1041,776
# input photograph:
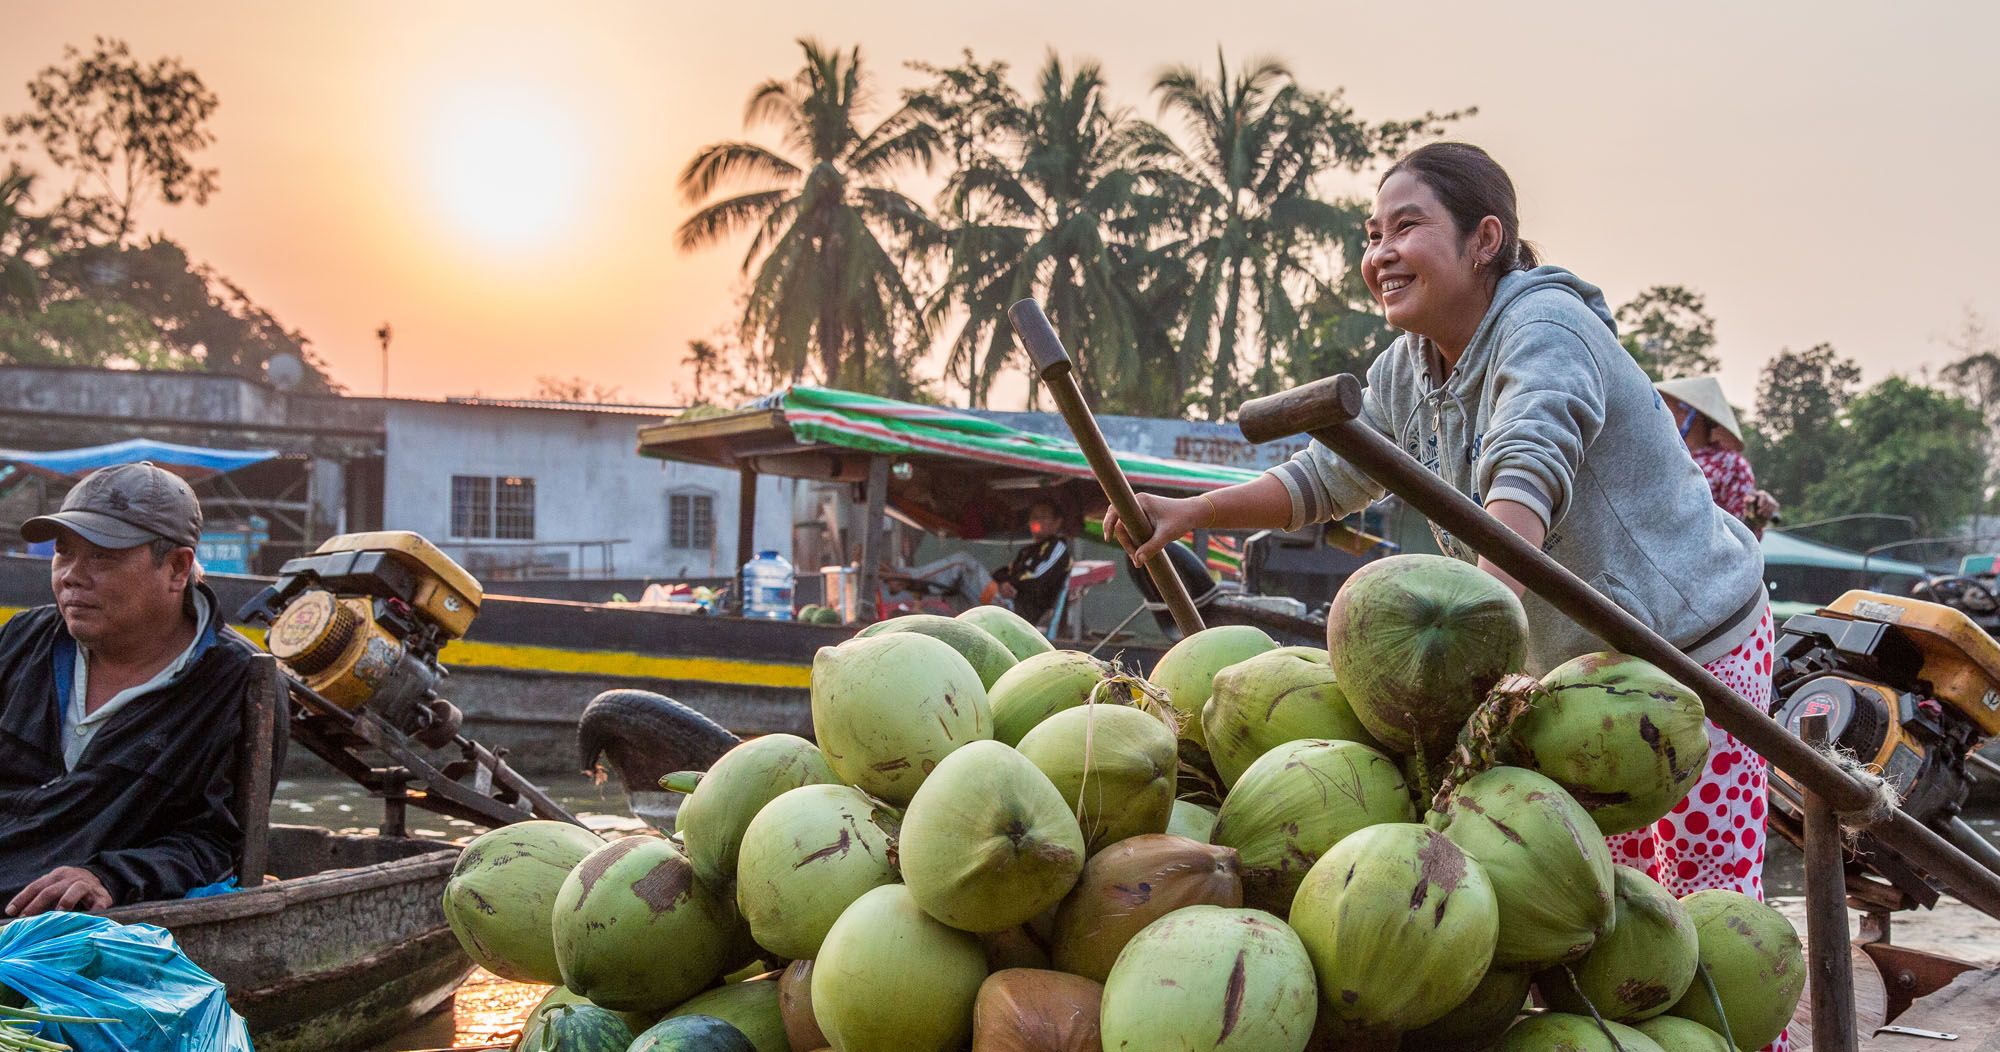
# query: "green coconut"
712,819
887,708
1131,884
501,890
1192,820
1039,687
1187,672
1273,698
1211,978
693,1033
890,978
1640,967
1016,633
618,908
795,1005
807,856
1546,859
1117,768
573,1026
1418,641
1297,801
1674,1034
1400,924
751,1007
988,656
1561,1032
1620,735
1756,962
1471,1024
989,841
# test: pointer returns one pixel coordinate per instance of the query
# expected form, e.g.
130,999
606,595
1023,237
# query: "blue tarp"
191,462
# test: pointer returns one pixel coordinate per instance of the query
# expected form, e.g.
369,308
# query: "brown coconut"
1132,884
1032,1010
795,1005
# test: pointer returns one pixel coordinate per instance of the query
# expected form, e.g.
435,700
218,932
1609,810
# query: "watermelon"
692,1033
575,1028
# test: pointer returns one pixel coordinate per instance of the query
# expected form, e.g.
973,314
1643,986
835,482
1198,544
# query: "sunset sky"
496,179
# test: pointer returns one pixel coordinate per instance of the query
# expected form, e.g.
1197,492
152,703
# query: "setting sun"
505,166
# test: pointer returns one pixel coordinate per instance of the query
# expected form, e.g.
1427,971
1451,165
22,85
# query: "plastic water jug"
767,587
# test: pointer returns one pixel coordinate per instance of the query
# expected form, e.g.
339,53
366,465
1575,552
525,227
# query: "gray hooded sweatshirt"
1547,409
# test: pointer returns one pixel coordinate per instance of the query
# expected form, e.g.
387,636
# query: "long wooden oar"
1053,365
1329,411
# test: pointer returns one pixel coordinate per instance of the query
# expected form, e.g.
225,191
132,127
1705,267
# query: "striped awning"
884,425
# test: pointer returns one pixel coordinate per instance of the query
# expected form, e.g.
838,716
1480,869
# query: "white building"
548,490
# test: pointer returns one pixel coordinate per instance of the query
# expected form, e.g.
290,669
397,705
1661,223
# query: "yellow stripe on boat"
470,654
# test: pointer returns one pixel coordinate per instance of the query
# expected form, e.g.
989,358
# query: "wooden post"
746,529
873,538
254,775
1828,954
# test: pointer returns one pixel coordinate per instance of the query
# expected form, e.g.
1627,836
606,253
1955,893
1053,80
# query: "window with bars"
501,507
690,520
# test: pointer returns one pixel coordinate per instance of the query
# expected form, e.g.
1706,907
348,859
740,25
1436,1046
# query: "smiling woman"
506,168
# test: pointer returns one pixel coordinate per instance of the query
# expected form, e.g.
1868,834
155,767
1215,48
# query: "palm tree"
1255,227
1053,202
831,238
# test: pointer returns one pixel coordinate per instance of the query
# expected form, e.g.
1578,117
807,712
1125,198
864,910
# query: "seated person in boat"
119,707
1039,573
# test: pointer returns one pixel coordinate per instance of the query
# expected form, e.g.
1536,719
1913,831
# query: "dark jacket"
147,808
1039,573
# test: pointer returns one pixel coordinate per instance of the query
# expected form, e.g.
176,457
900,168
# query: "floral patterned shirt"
1729,479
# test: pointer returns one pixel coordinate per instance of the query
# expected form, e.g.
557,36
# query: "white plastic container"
768,581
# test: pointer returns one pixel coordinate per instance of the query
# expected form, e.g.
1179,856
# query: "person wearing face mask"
1510,384
1035,578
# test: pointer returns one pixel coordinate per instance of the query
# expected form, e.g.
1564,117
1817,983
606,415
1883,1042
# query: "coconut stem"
1478,744
1581,996
1715,1001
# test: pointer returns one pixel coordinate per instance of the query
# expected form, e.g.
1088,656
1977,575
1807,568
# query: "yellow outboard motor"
1910,688
360,621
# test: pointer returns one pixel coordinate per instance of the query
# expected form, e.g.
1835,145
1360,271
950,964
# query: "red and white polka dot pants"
1714,838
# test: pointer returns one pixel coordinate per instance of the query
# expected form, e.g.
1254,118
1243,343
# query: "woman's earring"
1475,266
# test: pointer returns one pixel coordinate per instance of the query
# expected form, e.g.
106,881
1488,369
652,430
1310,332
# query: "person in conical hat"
1708,426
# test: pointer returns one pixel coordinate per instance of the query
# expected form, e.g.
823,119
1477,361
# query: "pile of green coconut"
995,845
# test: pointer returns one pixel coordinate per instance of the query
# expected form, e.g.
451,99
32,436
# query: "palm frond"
725,217
716,162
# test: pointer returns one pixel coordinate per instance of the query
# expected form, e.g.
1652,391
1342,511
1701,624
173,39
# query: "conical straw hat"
1704,393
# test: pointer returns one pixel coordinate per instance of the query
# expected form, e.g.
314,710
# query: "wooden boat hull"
348,948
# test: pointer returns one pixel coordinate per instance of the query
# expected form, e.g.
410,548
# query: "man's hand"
62,888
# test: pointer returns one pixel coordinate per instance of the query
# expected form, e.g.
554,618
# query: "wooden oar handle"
1301,410
1052,362
1044,347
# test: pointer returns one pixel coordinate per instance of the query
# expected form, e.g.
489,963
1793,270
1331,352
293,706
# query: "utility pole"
382,334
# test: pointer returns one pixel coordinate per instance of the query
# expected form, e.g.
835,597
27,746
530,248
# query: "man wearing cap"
119,707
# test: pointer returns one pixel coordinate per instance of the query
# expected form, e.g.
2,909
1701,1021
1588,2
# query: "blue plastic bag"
77,964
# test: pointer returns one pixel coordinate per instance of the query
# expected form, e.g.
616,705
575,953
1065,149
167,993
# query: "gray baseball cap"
124,507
